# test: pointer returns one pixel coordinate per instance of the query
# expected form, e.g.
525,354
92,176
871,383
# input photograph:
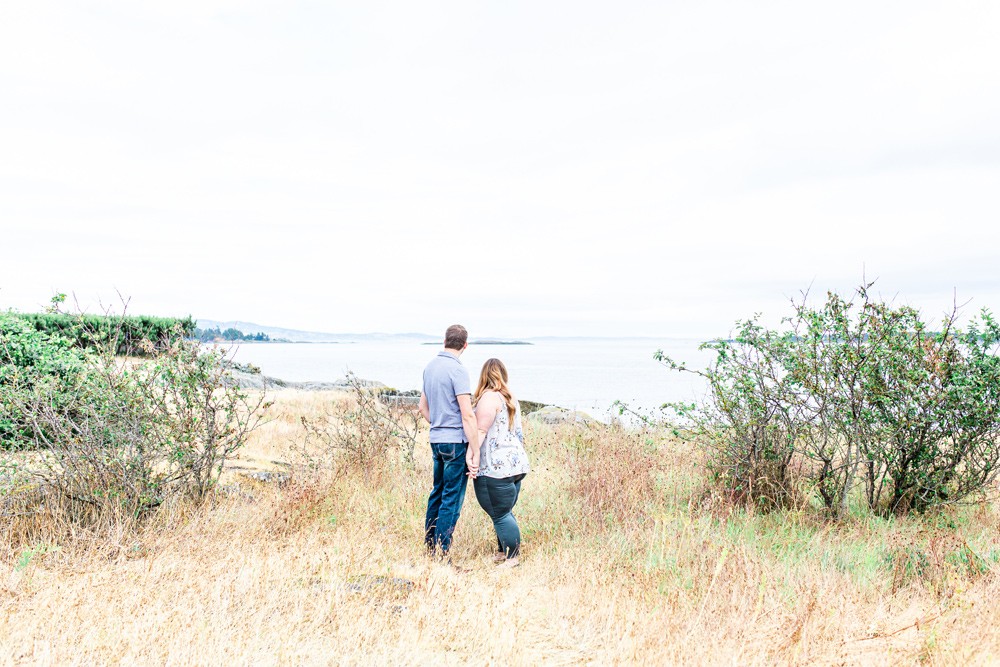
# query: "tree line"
232,334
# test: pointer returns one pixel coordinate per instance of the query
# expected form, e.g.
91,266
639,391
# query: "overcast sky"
525,168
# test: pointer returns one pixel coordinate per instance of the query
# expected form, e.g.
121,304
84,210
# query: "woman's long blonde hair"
494,378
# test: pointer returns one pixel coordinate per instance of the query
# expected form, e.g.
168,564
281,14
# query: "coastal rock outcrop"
527,407
553,416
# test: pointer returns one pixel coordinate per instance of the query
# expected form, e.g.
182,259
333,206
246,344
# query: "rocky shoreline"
247,376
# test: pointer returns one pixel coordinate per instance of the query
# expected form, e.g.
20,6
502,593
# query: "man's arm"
471,433
424,408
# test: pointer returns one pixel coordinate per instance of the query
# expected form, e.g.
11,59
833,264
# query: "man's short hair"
455,337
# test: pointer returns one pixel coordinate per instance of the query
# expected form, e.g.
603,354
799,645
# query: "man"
446,402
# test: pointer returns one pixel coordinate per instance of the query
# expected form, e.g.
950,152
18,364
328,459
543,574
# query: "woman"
503,463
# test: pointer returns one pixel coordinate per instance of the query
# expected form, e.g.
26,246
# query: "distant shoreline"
488,342
281,334
282,342
350,342
275,342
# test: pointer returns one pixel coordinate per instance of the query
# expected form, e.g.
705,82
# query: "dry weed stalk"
613,470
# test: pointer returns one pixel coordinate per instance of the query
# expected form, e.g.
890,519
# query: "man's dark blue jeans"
448,494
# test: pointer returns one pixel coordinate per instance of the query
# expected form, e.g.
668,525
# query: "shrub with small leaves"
124,436
853,395
29,357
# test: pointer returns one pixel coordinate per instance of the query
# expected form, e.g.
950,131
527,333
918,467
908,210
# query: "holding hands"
472,454
472,461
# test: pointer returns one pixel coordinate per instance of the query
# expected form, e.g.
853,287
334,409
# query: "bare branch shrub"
357,432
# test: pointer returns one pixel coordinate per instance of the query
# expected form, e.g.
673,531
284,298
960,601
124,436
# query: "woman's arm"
486,410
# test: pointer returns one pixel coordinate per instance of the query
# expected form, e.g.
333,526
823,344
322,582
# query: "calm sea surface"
580,374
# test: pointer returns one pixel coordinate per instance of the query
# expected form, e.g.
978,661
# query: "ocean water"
586,374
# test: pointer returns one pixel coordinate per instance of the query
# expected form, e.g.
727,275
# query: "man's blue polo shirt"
445,378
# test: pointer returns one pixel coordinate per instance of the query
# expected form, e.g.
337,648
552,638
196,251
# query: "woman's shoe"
509,563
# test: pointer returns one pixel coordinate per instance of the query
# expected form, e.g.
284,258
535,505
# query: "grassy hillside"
625,560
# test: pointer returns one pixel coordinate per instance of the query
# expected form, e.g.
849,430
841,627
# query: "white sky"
525,168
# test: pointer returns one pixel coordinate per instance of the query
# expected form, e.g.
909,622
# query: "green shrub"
27,357
853,396
114,438
129,335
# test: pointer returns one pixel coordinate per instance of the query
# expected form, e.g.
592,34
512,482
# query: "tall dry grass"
625,561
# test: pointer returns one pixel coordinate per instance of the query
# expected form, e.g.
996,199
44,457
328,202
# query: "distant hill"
297,336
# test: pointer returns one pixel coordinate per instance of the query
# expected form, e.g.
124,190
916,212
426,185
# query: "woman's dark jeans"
445,501
497,497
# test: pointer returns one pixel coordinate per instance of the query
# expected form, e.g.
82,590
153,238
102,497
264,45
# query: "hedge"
87,331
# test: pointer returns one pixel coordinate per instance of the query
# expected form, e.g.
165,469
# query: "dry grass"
622,564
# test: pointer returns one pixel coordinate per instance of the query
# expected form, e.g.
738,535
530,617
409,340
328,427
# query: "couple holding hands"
475,435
